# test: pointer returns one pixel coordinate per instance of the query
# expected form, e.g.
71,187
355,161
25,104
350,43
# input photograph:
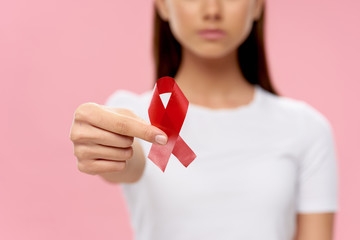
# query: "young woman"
266,164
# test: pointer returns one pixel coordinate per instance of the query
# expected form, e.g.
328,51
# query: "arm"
104,142
314,226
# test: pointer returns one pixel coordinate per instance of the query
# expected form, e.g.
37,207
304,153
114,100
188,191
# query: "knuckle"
83,155
131,141
129,152
76,135
120,166
121,126
91,168
112,167
71,132
80,113
82,167
81,152
128,141
83,111
76,151
71,135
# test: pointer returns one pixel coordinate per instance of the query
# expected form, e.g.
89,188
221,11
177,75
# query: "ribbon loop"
170,120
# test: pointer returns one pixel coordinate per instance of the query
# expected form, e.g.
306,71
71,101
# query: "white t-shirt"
257,166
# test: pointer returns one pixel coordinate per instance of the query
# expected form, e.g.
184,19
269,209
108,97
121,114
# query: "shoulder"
305,113
313,130
296,119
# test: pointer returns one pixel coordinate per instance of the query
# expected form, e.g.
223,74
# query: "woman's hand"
103,139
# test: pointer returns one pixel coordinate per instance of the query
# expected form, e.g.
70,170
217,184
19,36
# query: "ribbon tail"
160,154
183,152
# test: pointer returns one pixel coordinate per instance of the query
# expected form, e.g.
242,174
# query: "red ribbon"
170,120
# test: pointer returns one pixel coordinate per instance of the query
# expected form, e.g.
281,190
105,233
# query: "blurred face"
210,28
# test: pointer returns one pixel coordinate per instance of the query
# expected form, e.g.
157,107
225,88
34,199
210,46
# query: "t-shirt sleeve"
318,171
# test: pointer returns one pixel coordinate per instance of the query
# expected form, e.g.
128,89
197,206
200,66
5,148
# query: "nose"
212,10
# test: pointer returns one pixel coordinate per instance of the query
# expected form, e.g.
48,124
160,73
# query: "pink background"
55,55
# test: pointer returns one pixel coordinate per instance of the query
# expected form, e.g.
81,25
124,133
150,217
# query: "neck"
213,82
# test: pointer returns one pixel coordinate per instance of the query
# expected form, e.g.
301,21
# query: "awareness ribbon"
169,120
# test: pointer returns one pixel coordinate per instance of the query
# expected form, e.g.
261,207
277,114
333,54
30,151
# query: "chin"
212,52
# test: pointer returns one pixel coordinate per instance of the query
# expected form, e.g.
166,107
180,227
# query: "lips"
212,34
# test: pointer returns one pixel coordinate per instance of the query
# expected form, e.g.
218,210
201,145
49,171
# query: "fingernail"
161,139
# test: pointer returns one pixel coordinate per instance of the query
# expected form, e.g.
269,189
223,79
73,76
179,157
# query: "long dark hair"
251,53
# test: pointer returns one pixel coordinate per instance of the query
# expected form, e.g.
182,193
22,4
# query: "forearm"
133,170
315,226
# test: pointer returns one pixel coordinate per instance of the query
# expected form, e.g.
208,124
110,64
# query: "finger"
123,124
127,112
98,166
95,151
86,133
